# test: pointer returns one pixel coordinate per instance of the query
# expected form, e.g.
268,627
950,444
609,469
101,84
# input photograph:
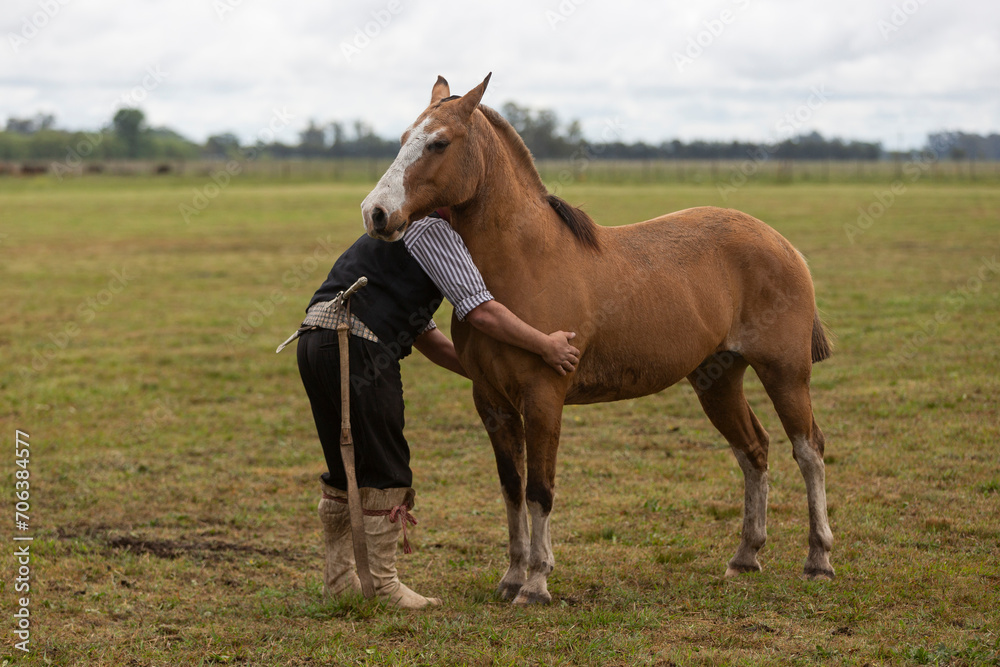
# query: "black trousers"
381,453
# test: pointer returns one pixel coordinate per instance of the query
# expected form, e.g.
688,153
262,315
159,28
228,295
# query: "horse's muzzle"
379,220
383,225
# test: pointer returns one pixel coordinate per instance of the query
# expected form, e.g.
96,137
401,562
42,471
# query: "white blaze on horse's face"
381,208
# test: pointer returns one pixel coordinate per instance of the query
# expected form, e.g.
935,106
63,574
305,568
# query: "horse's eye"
438,145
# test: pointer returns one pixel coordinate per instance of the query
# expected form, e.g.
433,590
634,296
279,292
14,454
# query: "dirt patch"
758,627
207,549
183,547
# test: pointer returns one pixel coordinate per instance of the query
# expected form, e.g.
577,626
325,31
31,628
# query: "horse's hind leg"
787,384
506,432
719,385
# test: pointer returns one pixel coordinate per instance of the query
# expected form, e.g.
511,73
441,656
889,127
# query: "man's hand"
559,354
494,319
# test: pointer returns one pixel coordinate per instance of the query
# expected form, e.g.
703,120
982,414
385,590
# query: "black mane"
580,224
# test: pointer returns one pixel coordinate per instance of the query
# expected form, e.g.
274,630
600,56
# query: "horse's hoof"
507,591
737,570
818,574
531,597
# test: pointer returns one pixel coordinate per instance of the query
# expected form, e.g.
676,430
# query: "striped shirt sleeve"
442,255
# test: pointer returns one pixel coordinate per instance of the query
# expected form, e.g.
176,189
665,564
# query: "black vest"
399,300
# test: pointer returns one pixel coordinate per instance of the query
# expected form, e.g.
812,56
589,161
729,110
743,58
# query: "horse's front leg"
504,426
542,422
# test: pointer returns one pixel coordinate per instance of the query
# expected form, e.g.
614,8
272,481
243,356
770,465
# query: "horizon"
563,124
349,123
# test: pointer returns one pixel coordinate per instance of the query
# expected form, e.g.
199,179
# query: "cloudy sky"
726,69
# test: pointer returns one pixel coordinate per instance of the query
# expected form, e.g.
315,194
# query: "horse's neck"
493,223
508,216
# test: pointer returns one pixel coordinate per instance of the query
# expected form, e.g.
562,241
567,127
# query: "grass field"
173,459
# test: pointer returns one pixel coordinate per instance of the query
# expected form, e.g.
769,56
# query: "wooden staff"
347,447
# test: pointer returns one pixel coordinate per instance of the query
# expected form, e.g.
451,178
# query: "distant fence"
737,172
337,170
555,172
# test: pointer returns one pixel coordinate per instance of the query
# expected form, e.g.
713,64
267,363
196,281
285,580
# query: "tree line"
128,136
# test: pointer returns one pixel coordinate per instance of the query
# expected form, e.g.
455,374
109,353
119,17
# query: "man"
392,314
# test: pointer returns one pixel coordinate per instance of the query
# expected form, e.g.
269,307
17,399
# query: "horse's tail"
821,346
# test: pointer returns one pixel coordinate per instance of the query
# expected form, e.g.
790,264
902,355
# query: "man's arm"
435,346
495,320
442,254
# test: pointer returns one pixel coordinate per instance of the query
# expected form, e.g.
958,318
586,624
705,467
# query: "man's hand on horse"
559,354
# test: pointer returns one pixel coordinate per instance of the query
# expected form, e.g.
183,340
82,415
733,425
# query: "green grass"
174,461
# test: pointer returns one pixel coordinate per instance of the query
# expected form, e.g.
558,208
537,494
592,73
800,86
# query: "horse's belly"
600,383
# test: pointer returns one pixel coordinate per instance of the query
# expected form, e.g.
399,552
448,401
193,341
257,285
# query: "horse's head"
436,165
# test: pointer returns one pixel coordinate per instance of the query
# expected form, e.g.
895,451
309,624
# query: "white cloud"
936,66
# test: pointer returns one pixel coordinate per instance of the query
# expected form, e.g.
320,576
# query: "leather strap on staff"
354,508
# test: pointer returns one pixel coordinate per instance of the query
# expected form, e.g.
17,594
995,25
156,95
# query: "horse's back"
724,248
681,287
693,233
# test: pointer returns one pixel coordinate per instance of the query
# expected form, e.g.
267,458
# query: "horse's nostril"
379,219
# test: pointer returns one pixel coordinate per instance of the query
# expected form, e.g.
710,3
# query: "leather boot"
341,575
391,509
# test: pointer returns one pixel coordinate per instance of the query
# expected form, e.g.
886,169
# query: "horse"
700,294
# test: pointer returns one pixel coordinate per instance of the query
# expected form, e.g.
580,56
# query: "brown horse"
698,294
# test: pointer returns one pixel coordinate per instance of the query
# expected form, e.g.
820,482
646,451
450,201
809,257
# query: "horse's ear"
471,99
440,90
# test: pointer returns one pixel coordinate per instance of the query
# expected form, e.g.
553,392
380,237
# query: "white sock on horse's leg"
820,536
541,561
754,517
518,534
